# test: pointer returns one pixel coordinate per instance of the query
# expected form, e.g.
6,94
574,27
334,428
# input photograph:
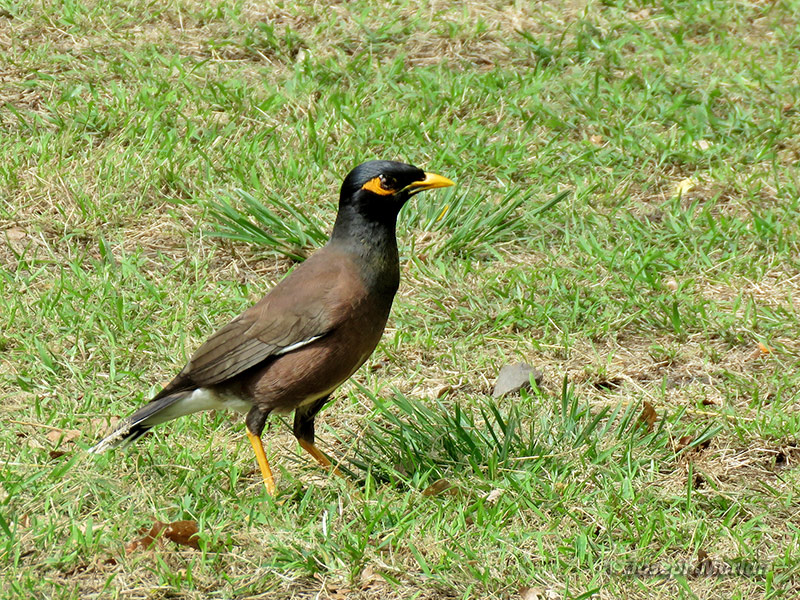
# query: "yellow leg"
261,458
318,456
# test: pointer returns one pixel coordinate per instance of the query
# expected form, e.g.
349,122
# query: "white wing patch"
297,345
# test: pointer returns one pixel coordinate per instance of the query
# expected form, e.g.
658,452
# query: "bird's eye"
388,182
382,185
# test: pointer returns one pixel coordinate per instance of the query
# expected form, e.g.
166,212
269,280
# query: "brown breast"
315,370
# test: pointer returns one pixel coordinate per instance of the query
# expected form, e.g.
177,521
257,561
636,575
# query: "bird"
310,333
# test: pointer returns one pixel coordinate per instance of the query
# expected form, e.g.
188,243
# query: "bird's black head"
372,195
378,189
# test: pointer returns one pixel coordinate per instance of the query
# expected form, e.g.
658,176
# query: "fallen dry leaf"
597,140
367,574
56,453
494,495
183,533
369,579
63,436
103,424
649,415
760,351
144,542
437,487
530,593
687,440
339,593
703,560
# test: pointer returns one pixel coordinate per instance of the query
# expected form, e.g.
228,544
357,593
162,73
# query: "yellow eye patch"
374,186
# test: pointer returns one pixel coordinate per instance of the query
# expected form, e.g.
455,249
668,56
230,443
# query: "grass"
624,220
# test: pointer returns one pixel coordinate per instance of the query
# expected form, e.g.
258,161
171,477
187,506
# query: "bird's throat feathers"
372,240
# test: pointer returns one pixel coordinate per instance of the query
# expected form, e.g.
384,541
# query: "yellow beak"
431,181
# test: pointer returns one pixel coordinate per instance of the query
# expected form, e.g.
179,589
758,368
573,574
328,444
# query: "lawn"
625,220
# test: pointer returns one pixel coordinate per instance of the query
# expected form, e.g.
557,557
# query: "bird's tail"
139,422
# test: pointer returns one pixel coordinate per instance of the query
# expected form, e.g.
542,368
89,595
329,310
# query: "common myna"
311,332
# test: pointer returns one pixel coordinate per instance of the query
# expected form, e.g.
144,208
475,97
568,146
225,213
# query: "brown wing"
305,306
